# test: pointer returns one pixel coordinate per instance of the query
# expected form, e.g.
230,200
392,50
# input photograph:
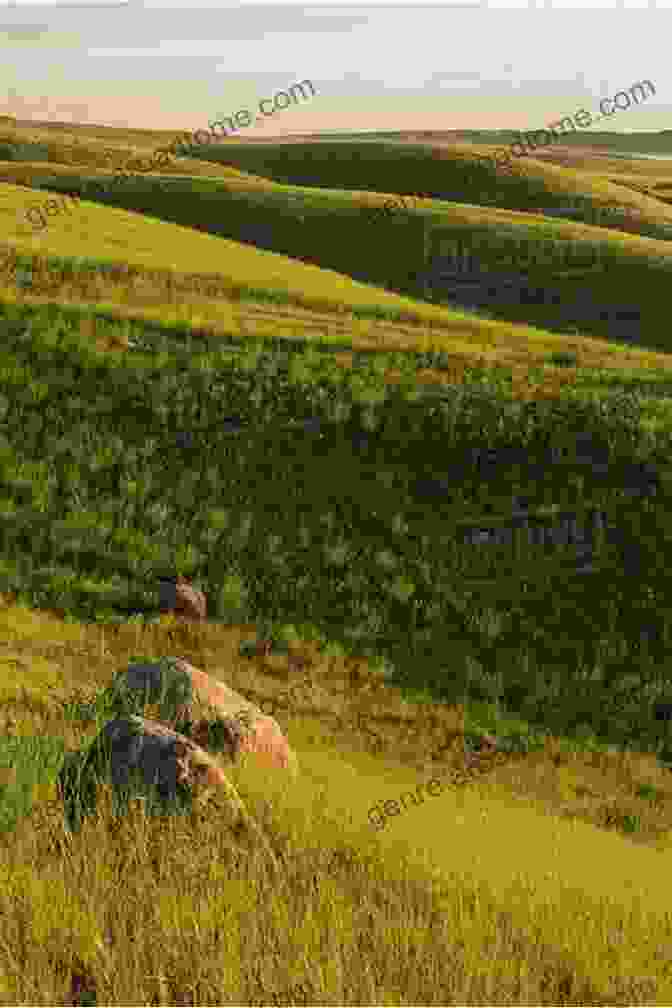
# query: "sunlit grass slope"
93,231
489,890
153,264
527,885
169,261
494,210
485,206
369,165
603,141
69,151
29,173
78,132
333,229
464,173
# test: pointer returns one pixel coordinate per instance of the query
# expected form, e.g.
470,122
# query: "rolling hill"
539,875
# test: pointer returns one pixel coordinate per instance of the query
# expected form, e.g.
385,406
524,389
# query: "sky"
161,64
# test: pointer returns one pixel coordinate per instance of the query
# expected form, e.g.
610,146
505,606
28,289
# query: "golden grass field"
513,886
473,896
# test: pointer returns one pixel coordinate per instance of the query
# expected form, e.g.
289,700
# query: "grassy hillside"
26,150
143,908
641,142
188,910
334,228
464,173
222,276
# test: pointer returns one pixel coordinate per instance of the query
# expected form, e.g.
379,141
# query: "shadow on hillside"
511,296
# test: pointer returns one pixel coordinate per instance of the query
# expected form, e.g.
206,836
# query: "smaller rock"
178,596
489,743
143,758
162,761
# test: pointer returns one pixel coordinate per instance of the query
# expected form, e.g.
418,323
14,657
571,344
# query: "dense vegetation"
363,565
322,456
339,231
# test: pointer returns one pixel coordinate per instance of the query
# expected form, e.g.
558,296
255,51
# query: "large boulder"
182,685
163,758
139,758
142,758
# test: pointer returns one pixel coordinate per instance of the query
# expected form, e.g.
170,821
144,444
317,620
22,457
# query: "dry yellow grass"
157,249
102,151
595,185
505,889
511,886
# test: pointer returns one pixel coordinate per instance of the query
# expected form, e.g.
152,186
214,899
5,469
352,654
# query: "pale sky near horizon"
160,64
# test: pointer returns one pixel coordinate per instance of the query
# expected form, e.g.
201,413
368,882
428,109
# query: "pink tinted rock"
261,734
164,757
488,743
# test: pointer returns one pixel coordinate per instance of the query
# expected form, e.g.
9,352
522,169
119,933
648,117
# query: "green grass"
157,909
201,873
335,229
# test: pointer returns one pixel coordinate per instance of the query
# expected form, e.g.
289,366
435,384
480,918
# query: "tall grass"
536,876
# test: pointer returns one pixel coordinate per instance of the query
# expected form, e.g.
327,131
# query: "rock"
154,762
261,734
112,341
487,746
489,743
259,648
164,758
177,595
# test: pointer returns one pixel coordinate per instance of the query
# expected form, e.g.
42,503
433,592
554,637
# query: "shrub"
23,152
562,358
